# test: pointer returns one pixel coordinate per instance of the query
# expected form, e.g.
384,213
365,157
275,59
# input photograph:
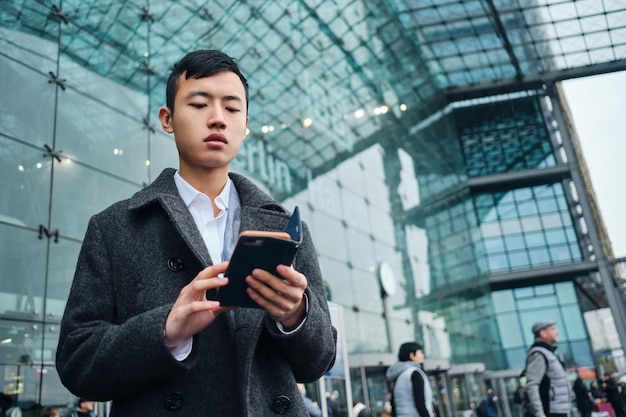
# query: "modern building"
427,143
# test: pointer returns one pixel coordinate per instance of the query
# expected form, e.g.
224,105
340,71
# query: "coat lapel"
163,191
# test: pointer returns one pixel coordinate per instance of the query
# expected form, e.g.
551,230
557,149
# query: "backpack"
481,410
527,408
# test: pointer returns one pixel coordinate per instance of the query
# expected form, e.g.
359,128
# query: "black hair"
200,64
406,349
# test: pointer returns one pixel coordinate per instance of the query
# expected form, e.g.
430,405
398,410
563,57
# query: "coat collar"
164,189
258,209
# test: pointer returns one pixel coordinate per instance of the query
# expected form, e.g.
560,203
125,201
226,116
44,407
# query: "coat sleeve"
311,350
536,368
99,357
418,394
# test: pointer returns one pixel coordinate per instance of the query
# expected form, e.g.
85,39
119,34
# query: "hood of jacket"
397,368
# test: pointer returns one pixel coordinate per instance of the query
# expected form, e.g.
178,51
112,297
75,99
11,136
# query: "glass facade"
428,135
517,309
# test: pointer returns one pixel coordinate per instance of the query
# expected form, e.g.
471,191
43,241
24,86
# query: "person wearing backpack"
547,385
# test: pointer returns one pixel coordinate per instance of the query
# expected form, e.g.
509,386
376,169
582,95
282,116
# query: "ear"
245,135
165,116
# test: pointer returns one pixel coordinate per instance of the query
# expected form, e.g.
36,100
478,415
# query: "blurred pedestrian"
411,392
84,408
518,401
311,407
50,412
612,394
584,402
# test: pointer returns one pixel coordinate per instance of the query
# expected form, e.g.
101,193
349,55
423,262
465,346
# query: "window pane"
510,331
25,184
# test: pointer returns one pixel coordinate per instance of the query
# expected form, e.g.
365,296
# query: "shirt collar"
188,193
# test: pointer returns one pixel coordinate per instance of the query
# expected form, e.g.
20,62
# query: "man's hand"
282,296
192,311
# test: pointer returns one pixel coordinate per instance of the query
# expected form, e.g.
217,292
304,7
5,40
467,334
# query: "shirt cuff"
306,313
182,351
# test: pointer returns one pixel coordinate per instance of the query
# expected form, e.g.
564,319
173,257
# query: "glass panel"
573,326
20,359
62,265
330,241
72,209
25,184
503,302
510,331
581,354
84,134
29,114
516,358
360,250
107,92
566,293
163,153
22,286
339,289
372,333
355,210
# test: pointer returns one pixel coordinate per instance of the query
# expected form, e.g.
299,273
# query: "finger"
212,271
197,289
275,304
293,277
274,294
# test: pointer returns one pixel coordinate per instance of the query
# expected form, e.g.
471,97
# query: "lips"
216,137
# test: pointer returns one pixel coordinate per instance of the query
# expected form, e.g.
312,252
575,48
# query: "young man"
547,385
138,328
411,392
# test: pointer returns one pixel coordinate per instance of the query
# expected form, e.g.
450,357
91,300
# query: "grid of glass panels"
453,250
337,63
348,211
526,227
535,36
504,137
517,309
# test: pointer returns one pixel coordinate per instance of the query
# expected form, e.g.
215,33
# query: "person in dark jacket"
491,406
584,402
613,395
141,326
547,385
412,395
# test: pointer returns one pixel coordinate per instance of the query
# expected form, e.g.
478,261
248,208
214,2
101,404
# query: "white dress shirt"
212,229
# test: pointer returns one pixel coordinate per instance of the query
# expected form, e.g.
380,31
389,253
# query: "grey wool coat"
136,257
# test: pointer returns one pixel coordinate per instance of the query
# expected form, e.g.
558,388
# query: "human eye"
231,109
197,105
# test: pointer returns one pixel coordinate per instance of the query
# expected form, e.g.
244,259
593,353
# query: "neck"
209,181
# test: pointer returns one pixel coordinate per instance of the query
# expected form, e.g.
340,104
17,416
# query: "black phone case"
263,252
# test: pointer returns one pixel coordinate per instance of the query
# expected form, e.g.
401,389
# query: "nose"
216,118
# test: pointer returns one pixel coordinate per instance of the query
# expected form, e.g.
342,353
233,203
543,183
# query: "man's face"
417,357
549,334
86,406
209,121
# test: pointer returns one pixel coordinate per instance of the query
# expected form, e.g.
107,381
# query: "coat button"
175,264
281,404
173,401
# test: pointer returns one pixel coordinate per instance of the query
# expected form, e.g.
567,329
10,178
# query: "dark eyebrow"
209,96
